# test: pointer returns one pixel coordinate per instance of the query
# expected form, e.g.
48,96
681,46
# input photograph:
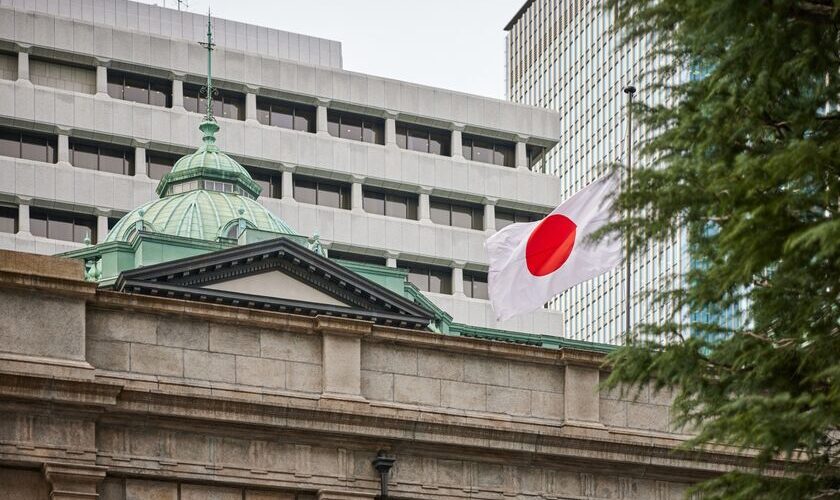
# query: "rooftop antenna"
208,89
185,3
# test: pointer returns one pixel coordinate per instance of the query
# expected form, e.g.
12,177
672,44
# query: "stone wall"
143,397
206,353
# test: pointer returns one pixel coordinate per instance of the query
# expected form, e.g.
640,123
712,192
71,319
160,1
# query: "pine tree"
746,160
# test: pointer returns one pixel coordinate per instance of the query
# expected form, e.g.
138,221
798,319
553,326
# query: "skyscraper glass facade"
565,55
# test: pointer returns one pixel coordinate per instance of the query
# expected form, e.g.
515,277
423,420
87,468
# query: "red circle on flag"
550,244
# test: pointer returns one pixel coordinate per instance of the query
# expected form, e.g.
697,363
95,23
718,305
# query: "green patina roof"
209,163
199,214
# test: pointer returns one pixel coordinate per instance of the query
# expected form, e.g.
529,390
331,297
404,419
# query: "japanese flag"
532,262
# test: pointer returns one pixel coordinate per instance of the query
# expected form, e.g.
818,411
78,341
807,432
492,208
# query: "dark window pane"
411,208
504,155
395,206
305,191
111,160
419,279
84,156
351,128
374,132
439,212
60,228
160,93
462,216
37,224
466,149
482,151
478,286
159,165
440,281
329,195
282,116
304,119
264,116
232,108
35,148
191,103
374,203
418,140
115,88
81,230
355,257
402,136
10,144
8,219
136,89
504,219
332,128
439,143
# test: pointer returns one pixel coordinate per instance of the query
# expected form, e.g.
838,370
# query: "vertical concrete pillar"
490,214
391,259
356,194
456,143
63,148
177,93
101,80
582,396
341,358
101,228
141,167
390,129
251,105
23,66
520,154
458,279
423,206
321,117
23,218
287,186
73,481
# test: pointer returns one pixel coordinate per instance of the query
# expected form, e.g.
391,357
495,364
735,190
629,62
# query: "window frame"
403,134
477,213
343,191
272,178
150,82
468,145
47,216
411,202
296,108
417,269
128,167
367,123
10,212
517,215
50,146
157,154
470,278
192,93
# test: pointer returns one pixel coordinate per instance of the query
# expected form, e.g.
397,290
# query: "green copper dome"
207,195
208,163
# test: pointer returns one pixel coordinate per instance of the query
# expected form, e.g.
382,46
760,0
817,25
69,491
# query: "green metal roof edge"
548,341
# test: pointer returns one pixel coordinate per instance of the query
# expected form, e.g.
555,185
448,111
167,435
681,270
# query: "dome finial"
209,126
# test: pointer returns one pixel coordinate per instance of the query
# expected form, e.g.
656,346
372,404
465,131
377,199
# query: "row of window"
434,279
51,224
296,116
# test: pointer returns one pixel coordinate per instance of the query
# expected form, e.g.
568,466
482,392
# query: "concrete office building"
561,55
98,99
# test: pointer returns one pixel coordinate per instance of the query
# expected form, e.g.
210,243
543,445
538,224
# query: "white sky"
453,44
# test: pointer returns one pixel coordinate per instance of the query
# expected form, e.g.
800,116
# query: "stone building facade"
144,396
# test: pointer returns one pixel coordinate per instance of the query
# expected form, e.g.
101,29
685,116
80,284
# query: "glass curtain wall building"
563,55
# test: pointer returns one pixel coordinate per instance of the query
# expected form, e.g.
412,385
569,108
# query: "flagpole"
630,91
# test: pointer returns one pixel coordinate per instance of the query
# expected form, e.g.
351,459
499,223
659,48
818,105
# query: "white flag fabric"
532,262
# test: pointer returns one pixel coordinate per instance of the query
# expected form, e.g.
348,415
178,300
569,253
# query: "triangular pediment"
278,285
276,275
